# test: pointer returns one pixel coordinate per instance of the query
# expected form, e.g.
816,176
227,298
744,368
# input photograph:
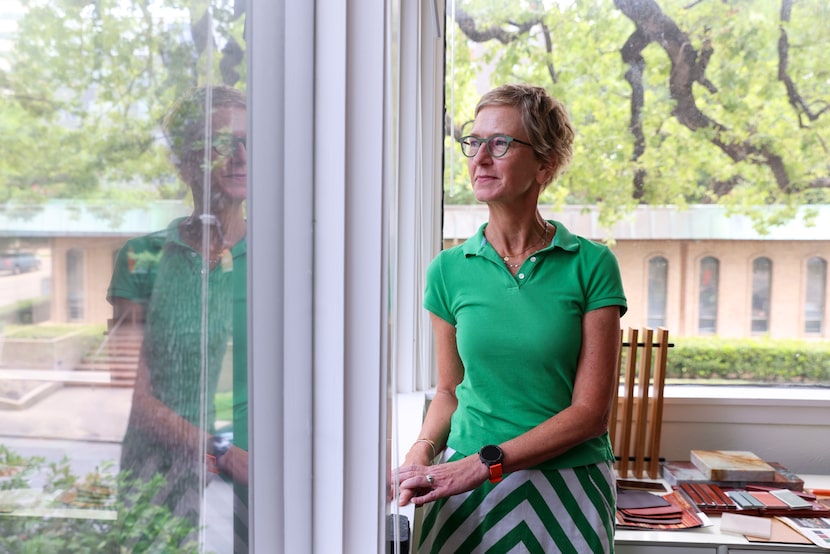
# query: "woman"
526,318
189,295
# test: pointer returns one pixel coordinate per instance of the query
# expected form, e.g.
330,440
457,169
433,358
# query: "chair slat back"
637,412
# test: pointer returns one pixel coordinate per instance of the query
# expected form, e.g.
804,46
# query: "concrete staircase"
117,355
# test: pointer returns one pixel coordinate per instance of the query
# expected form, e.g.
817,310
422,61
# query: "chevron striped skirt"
538,511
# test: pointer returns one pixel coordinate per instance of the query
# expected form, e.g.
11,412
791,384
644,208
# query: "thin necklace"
194,229
525,251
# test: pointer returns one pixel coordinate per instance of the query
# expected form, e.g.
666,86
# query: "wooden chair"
637,411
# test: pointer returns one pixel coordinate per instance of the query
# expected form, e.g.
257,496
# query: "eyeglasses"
497,145
227,144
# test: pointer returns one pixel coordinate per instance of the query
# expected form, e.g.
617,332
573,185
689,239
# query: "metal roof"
697,222
67,218
71,218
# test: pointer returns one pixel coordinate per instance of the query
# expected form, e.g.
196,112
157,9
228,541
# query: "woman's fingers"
416,483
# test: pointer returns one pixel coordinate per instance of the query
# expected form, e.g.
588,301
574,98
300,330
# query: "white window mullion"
280,208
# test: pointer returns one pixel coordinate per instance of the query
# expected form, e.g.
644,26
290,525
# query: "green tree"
87,83
673,102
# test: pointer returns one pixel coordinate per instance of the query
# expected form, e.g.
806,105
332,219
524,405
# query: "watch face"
491,454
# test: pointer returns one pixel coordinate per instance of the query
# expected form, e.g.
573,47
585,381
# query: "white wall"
788,426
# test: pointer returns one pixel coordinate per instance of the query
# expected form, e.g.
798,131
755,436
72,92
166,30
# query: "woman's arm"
155,418
436,426
585,418
234,462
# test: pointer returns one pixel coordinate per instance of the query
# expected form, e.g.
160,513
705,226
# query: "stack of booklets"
734,469
742,482
644,510
754,500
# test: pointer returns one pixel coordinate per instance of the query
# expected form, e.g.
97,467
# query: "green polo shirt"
240,347
136,266
174,338
519,337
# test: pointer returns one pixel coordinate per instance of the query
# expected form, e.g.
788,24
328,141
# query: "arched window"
815,294
74,284
707,321
658,271
761,292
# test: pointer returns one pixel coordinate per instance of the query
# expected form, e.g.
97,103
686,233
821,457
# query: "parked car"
19,262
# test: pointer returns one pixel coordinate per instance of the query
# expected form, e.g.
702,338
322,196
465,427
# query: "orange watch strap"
495,473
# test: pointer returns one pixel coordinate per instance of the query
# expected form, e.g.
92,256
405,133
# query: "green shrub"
759,360
54,330
142,526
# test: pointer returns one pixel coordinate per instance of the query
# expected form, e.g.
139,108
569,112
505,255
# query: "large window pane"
123,349
664,162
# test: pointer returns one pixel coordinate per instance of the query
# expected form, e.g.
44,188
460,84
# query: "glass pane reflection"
122,354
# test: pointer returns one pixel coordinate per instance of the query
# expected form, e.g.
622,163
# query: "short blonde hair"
544,119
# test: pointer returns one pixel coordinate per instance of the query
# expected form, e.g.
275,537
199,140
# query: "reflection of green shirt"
136,266
240,347
519,337
240,385
173,337
173,332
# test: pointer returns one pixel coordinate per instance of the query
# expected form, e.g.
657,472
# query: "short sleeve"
436,295
606,287
136,266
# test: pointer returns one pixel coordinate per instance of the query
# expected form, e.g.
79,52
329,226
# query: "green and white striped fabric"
538,511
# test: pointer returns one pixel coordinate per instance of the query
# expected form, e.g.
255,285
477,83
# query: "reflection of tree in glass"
99,77
139,520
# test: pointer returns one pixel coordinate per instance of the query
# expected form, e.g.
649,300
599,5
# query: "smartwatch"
492,456
217,445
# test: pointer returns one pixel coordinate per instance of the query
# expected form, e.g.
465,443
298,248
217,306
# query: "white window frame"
343,213
345,208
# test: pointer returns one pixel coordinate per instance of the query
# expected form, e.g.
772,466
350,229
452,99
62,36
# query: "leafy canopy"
673,102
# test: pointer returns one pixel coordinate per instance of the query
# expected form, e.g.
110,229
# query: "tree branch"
632,56
468,26
802,109
687,68
549,50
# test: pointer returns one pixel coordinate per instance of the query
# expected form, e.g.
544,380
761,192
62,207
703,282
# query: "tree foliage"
699,101
86,84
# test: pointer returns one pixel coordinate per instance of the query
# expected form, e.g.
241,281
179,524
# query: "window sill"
760,395
788,425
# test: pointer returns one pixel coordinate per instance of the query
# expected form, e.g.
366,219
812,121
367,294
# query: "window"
75,284
89,170
91,199
707,213
708,300
761,291
326,216
814,301
658,272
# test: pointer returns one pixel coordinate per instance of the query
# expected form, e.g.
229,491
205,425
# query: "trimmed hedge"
758,360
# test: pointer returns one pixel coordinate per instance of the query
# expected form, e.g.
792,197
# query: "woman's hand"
420,484
234,462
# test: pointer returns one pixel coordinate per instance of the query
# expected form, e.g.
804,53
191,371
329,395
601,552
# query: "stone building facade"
699,272
694,271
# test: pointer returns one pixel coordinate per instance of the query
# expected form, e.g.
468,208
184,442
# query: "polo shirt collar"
563,239
238,249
